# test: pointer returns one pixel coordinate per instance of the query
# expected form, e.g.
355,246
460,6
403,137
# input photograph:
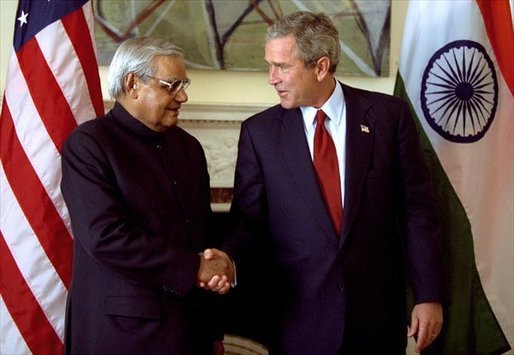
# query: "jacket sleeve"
419,222
248,210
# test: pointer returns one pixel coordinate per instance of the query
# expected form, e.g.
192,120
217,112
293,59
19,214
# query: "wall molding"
212,112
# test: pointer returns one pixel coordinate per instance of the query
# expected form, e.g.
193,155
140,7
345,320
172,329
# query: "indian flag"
457,72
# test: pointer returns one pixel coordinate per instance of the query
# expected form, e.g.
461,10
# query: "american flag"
52,86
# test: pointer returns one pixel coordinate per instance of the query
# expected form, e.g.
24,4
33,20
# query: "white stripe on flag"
11,341
55,46
482,172
90,19
33,305
34,138
32,261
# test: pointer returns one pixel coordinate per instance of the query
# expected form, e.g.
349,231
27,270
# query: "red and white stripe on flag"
52,86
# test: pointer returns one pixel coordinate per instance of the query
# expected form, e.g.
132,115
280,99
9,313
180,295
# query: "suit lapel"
359,143
295,150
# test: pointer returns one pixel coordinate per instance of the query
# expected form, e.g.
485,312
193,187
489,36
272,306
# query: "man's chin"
169,123
173,123
172,119
287,104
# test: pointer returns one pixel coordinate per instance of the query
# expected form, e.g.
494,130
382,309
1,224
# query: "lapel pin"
364,128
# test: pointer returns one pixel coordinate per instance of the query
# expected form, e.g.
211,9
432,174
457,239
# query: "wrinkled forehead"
280,49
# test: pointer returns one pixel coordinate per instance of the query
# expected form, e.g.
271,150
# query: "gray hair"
135,55
315,34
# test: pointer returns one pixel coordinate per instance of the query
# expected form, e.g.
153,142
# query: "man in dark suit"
339,277
137,189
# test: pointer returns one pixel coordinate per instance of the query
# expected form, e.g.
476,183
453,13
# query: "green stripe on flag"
470,324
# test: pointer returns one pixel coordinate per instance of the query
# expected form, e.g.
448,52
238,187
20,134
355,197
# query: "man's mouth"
281,93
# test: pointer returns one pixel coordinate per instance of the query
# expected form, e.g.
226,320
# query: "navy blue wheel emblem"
459,91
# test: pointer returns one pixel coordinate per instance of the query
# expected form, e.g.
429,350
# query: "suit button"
188,221
158,146
168,289
340,286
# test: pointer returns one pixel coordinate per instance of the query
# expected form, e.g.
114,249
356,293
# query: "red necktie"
327,170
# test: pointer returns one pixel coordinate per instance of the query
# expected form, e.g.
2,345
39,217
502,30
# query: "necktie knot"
320,117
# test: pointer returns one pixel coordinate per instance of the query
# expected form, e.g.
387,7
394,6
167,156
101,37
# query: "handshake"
216,272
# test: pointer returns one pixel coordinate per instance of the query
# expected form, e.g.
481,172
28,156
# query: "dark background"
245,308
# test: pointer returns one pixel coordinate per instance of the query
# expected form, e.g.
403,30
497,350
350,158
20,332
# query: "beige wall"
220,87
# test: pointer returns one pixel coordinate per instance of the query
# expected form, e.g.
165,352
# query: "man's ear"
130,84
322,68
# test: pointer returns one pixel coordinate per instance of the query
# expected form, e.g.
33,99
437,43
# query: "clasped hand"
216,271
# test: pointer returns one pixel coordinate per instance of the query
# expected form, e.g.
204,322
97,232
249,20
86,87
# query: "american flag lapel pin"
364,128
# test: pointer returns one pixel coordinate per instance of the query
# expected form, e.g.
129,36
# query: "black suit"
139,206
340,293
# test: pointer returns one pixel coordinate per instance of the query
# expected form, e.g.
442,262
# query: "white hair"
135,55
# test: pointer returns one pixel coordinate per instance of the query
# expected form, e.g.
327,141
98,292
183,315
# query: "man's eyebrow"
276,64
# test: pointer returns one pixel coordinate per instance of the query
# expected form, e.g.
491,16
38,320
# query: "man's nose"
273,77
181,96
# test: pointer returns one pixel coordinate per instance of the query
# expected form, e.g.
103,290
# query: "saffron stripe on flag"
500,35
472,167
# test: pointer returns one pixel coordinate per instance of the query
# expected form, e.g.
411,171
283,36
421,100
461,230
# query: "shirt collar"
333,108
133,124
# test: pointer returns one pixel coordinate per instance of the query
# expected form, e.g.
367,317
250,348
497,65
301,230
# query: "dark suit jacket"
139,206
340,292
